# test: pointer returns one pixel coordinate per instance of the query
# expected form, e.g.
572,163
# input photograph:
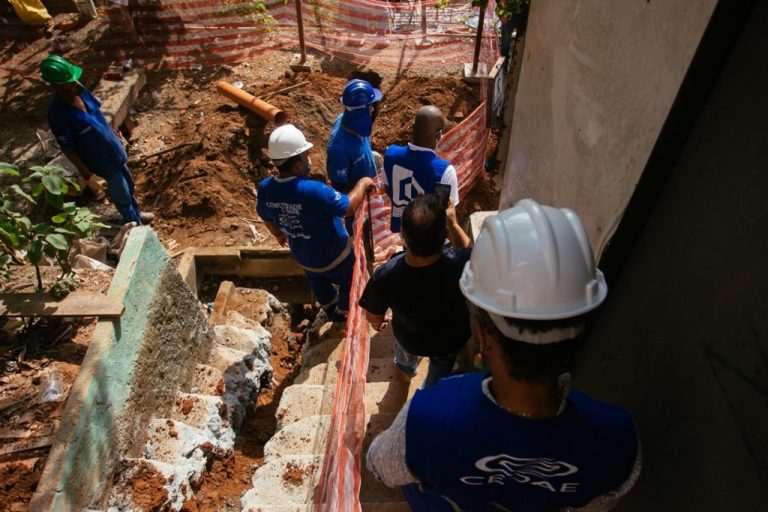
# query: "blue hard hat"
359,93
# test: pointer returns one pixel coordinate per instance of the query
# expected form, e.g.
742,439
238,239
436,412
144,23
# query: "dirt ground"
31,353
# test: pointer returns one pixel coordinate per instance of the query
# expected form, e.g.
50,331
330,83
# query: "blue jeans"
439,366
120,191
322,286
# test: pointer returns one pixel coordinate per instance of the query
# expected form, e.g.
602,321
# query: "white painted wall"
597,82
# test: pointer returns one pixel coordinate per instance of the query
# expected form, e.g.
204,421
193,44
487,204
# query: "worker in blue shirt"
349,148
517,438
307,216
85,137
415,169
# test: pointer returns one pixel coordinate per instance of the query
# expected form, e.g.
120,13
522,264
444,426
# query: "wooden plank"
75,304
28,444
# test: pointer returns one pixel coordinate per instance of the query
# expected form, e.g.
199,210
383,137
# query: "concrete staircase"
303,420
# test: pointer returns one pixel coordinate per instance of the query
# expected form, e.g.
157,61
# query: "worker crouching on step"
517,438
307,216
421,286
85,137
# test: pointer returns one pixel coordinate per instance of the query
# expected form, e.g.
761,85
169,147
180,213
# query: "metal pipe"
302,46
262,108
479,39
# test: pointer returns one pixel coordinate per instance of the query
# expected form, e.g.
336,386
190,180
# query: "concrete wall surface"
597,82
131,371
683,339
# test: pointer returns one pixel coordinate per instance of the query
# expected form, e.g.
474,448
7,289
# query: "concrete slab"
379,370
206,413
220,303
251,341
287,481
130,373
117,97
304,437
313,399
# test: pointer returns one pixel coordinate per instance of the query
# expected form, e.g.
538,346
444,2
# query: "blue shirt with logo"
411,171
309,214
466,449
349,156
88,134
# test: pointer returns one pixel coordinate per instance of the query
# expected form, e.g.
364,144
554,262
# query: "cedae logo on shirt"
404,186
501,469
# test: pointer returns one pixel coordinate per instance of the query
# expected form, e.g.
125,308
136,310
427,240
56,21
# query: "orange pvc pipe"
265,110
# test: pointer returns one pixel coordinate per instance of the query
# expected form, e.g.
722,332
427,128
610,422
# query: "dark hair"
527,361
424,229
286,166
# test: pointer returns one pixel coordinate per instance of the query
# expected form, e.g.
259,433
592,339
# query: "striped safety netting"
173,34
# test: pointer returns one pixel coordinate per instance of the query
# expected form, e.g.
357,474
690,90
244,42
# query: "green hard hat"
57,70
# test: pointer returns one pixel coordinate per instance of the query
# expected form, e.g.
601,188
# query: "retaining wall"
133,368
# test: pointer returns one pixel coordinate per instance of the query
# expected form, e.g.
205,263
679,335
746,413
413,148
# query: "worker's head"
289,151
61,73
531,283
424,226
428,127
361,106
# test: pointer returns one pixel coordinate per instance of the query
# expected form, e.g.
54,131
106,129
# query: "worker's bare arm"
378,322
78,163
457,236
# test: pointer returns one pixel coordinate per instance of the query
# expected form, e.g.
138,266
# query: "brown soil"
207,196
147,488
18,481
294,473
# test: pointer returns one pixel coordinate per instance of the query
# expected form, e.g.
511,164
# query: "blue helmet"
359,93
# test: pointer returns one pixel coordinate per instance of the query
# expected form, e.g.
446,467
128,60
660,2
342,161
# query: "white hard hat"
287,141
533,262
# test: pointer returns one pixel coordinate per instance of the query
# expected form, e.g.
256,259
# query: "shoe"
146,217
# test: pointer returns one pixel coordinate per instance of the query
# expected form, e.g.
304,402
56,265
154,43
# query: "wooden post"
423,21
479,38
301,32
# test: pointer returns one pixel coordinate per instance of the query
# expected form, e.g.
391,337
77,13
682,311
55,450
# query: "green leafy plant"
61,222
442,4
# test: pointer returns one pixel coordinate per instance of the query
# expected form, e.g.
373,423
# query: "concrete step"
207,413
256,340
379,370
182,446
330,350
305,400
288,481
307,436
175,482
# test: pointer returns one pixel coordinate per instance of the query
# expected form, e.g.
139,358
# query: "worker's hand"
368,184
380,326
96,187
450,212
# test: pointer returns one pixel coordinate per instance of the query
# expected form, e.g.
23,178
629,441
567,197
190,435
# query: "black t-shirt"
429,313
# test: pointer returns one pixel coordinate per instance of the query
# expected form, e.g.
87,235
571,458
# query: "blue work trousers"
322,285
120,191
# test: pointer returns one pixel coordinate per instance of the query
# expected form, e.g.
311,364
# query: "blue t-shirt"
429,312
411,171
309,214
349,156
463,447
88,134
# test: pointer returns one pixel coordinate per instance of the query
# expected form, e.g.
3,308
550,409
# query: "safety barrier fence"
171,34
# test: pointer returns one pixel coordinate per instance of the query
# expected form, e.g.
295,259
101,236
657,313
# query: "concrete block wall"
132,370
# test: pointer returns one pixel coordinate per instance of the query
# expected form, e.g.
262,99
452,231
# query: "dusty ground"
29,353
